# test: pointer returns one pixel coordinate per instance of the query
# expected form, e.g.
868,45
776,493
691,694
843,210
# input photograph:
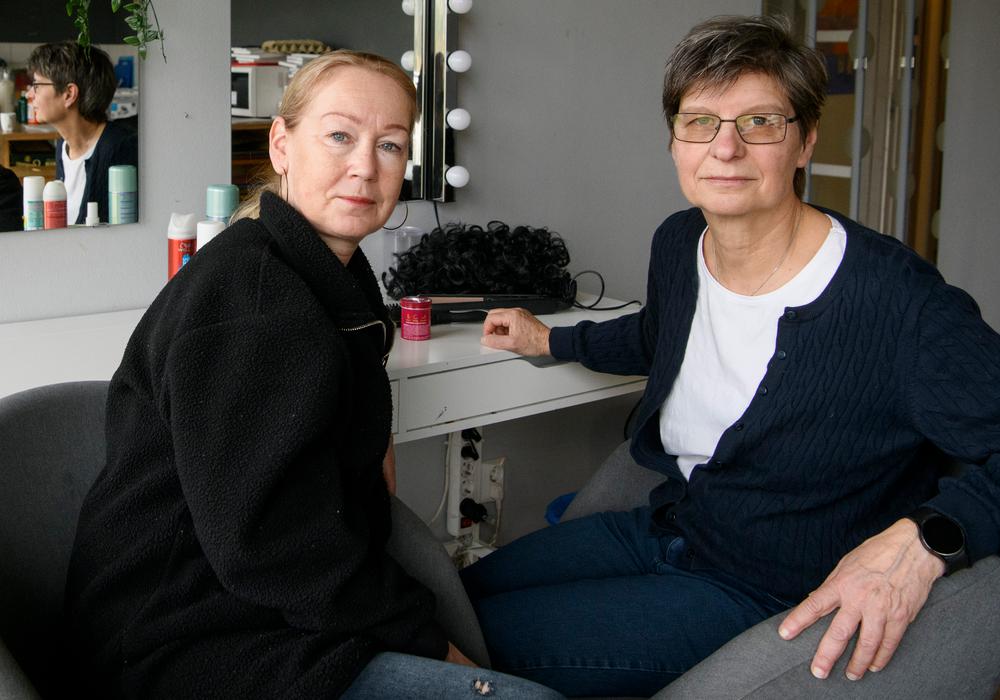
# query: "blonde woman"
234,545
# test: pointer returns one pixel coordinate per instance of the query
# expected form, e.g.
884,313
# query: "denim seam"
591,667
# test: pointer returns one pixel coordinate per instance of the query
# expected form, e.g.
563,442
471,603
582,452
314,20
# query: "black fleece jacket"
233,546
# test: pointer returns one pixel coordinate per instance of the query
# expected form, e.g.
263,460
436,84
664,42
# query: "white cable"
496,529
444,491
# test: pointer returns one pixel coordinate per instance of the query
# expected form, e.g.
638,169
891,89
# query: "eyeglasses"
752,128
36,84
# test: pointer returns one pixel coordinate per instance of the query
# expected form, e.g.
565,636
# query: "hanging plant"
139,12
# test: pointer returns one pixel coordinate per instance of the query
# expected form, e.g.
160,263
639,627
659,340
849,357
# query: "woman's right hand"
456,657
515,330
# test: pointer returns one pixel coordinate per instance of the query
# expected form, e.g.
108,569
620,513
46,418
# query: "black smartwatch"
942,537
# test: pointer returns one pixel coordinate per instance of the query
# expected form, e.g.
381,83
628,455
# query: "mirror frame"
433,143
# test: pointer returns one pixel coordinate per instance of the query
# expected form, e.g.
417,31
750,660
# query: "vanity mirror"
27,147
414,33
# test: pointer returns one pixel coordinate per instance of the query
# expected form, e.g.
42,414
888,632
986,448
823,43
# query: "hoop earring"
405,217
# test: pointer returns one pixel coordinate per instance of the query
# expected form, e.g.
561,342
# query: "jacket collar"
349,293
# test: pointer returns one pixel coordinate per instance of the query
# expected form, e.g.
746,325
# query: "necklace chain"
784,256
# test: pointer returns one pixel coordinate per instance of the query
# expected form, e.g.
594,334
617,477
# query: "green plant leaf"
131,40
115,4
133,8
134,23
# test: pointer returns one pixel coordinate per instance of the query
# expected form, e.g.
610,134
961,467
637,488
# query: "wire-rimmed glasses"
752,128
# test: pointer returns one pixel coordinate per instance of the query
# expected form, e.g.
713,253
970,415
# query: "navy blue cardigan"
868,384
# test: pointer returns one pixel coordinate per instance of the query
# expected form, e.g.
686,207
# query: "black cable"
594,306
436,217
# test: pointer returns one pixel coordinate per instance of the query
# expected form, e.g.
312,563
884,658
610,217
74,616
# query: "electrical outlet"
491,480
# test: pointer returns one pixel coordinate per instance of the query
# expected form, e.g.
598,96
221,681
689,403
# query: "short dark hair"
719,51
90,70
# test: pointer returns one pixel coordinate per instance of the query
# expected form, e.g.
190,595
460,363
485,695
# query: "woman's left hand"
881,585
389,468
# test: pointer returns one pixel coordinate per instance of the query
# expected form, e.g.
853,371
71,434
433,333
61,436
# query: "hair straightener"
458,308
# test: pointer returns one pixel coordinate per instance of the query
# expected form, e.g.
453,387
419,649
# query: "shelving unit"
249,151
30,151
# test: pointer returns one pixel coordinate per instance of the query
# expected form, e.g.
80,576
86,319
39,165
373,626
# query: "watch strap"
955,559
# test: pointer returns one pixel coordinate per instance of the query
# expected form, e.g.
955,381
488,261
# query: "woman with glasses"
72,89
802,369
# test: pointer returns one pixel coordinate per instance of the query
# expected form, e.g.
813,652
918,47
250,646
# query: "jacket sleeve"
954,394
287,506
624,345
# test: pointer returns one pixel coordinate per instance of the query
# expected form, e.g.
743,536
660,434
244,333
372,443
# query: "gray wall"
969,247
567,130
567,133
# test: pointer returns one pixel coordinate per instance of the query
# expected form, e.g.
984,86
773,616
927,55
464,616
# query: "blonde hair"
298,96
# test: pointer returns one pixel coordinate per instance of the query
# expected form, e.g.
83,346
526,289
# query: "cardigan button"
791,315
739,427
671,517
781,354
762,390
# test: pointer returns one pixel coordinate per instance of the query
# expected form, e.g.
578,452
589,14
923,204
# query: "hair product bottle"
122,195
54,204
93,215
181,239
207,230
34,212
220,202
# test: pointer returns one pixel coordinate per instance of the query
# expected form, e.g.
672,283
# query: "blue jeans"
391,675
599,606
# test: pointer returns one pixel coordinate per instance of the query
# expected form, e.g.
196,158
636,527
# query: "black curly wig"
461,259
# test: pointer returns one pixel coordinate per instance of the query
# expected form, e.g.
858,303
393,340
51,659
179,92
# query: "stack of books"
254,55
294,61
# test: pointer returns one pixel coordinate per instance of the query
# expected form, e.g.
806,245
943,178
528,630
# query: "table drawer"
471,392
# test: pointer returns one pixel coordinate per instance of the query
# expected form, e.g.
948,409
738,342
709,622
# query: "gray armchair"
52,446
952,650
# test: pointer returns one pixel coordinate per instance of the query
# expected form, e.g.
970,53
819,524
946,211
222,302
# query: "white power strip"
463,481
469,477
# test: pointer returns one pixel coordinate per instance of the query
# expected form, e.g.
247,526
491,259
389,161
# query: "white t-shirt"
732,338
75,179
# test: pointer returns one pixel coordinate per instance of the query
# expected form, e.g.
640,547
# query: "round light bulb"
459,119
409,7
457,176
460,7
408,175
407,61
459,61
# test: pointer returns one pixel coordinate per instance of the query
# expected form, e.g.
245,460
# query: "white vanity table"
447,383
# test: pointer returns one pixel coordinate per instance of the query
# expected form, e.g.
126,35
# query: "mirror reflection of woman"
71,89
235,543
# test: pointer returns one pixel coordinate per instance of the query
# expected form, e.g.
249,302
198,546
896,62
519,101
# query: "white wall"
184,146
968,245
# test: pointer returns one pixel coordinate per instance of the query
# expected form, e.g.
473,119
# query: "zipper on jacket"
385,356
